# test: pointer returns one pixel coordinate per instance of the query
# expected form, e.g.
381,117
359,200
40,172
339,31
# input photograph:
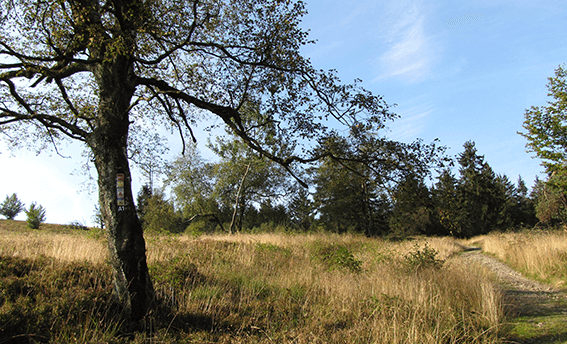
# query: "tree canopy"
546,126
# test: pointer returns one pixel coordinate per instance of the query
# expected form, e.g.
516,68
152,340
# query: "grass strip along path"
537,311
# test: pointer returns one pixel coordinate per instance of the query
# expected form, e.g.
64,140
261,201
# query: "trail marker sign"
120,191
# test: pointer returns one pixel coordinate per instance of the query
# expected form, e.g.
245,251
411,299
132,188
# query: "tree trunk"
238,202
126,244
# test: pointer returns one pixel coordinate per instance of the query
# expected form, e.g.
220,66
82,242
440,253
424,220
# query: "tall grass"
63,245
256,288
538,254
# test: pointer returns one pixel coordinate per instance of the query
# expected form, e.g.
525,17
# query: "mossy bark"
108,143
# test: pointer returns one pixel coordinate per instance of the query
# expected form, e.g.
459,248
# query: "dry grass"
277,288
52,241
273,287
538,254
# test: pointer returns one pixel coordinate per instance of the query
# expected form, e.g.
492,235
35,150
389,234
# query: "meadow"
55,286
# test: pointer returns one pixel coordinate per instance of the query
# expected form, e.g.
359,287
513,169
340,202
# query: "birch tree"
90,70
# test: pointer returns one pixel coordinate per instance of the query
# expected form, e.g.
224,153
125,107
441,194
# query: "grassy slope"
264,288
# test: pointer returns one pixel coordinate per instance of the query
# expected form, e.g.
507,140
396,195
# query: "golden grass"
382,304
69,245
539,254
311,288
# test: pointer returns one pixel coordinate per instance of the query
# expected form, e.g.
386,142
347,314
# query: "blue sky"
458,72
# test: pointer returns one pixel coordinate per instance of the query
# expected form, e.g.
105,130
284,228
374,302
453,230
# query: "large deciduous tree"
546,126
91,70
546,132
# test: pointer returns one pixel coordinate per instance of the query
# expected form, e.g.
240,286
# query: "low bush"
338,257
421,259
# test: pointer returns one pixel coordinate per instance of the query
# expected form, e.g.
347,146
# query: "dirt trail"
537,307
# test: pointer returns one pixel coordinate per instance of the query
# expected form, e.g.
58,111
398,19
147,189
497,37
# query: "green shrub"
339,256
77,225
36,215
11,207
421,259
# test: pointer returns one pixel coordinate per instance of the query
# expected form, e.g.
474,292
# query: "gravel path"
523,296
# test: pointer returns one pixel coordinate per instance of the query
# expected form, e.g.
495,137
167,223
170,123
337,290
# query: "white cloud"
411,53
412,122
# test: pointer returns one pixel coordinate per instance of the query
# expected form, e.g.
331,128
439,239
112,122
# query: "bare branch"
49,121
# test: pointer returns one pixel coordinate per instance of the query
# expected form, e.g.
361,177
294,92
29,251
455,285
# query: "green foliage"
35,215
338,257
268,214
231,188
412,208
422,259
142,201
475,194
351,183
160,215
526,213
11,207
546,130
301,210
192,180
546,126
444,196
551,199
199,227
77,225
244,178
343,198
479,202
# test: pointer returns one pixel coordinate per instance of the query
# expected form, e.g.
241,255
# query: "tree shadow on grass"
536,317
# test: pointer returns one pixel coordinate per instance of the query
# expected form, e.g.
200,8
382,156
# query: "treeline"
245,192
367,184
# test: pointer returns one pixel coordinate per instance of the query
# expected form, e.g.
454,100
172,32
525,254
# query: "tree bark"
108,142
126,244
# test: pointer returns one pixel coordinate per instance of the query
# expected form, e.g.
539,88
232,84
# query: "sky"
458,71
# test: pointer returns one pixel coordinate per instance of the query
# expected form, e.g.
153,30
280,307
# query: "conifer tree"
412,212
11,207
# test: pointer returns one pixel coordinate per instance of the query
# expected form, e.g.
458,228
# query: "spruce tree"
11,207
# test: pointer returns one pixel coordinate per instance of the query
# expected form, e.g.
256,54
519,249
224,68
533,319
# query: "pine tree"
35,215
11,207
142,201
445,201
525,205
480,198
412,209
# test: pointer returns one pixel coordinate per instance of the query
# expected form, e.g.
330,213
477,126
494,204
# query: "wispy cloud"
412,122
410,54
